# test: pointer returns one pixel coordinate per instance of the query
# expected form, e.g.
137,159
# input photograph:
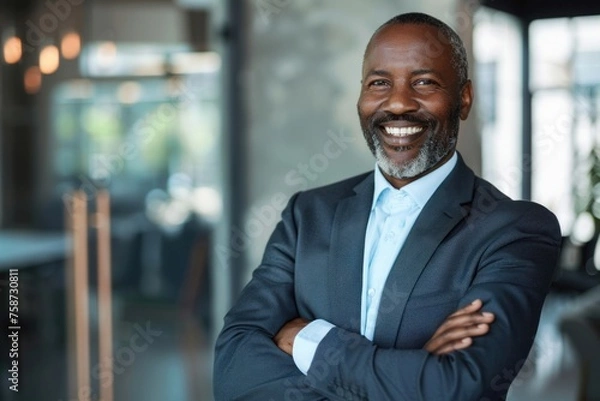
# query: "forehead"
416,46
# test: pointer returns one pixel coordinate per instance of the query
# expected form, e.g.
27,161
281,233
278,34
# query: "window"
136,124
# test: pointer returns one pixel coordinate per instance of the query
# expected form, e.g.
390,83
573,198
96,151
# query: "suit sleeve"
248,364
512,279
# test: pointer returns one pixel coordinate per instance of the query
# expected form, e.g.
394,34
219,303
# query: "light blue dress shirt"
393,213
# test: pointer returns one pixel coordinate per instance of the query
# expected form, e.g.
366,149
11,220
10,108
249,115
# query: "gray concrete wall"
302,85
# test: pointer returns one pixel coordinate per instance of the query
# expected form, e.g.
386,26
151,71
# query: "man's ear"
466,99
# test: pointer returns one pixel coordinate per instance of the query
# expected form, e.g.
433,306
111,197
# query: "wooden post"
105,349
70,299
81,295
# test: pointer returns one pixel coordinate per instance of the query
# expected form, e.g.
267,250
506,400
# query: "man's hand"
454,334
284,339
458,329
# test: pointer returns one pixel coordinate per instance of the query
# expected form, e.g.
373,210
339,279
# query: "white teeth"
404,131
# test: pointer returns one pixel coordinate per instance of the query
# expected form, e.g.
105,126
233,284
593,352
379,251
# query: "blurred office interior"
195,120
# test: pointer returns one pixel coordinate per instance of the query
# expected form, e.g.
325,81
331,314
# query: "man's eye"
378,82
424,82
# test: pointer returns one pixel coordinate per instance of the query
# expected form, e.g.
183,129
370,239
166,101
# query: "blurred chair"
581,325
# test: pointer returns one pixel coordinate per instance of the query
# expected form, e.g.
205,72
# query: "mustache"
384,117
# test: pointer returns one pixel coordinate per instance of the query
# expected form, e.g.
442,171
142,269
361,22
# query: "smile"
403,131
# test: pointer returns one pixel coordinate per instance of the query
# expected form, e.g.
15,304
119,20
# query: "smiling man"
373,288
411,100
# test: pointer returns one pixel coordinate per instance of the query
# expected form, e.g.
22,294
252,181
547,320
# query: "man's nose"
400,100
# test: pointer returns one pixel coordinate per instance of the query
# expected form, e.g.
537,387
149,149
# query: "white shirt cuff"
306,342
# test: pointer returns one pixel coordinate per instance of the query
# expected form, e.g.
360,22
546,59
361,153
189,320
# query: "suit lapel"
346,255
436,220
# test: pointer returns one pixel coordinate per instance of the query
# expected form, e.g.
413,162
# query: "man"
355,295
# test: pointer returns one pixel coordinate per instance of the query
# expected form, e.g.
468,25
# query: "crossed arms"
252,359
454,334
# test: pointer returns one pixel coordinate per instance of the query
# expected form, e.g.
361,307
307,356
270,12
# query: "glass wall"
565,101
565,85
498,83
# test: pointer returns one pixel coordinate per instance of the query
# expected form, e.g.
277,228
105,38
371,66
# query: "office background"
199,118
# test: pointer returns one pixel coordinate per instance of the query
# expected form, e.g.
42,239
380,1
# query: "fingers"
462,321
456,338
453,338
469,314
454,346
470,308
458,330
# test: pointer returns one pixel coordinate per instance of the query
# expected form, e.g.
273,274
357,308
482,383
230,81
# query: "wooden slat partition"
78,298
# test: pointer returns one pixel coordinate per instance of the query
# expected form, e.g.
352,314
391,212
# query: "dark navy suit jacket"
470,241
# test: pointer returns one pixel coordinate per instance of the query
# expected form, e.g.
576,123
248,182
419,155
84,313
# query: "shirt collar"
419,190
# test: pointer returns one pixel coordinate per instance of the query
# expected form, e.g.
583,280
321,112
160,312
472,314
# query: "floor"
162,354
551,372
175,366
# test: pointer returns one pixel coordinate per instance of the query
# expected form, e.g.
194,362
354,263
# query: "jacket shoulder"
492,204
336,190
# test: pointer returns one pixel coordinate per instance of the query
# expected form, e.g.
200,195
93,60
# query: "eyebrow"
384,73
424,71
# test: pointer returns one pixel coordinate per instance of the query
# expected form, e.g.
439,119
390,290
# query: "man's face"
411,101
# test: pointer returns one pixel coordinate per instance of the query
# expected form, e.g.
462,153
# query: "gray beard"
430,154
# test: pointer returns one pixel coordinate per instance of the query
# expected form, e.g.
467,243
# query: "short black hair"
459,54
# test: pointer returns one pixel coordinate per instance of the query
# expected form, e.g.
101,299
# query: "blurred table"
22,248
